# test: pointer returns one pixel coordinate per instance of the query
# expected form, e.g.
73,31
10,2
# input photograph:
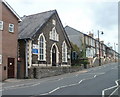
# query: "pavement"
100,80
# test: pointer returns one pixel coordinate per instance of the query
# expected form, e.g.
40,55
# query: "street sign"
35,49
35,46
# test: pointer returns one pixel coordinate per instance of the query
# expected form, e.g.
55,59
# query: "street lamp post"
115,44
115,50
99,46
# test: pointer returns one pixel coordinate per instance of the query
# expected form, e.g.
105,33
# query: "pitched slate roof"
12,10
32,23
74,36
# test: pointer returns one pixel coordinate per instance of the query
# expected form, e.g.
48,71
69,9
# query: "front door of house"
11,67
54,56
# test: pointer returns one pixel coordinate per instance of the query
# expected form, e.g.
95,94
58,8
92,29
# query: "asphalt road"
102,80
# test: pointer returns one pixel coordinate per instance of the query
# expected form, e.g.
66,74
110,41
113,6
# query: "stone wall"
41,72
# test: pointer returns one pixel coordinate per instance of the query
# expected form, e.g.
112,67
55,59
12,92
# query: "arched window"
42,48
64,52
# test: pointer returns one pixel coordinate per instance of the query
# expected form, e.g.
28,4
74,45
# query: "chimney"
24,17
91,34
97,39
102,42
111,47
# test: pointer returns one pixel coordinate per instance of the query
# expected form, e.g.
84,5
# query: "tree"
78,56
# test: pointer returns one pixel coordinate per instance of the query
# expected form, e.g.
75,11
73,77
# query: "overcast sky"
83,15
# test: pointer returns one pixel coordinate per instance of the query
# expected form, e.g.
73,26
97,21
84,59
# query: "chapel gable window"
54,35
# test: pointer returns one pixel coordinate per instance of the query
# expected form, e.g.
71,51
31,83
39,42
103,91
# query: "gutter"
26,60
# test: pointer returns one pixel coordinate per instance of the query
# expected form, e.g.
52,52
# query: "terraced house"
9,20
96,51
42,42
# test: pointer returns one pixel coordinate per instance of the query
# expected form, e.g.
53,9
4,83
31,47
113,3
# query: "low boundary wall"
42,72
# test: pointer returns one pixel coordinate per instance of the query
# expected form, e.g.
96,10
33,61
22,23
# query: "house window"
54,35
42,48
11,27
87,43
64,52
1,25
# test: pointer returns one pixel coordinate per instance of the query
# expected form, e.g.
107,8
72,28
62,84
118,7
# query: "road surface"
102,80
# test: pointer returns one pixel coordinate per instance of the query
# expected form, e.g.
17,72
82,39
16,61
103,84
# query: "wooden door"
54,56
11,67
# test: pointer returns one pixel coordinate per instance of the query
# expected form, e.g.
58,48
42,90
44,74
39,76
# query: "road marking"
103,92
36,84
115,67
1,90
54,90
60,79
81,81
114,91
67,85
76,75
97,73
70,84
14,86
61,88
95,76
91,77
43,94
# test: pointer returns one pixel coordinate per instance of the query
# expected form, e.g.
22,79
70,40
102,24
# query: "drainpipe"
26,60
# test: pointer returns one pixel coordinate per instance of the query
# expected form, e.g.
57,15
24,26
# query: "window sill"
64,62
11,32
54,40
41,60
